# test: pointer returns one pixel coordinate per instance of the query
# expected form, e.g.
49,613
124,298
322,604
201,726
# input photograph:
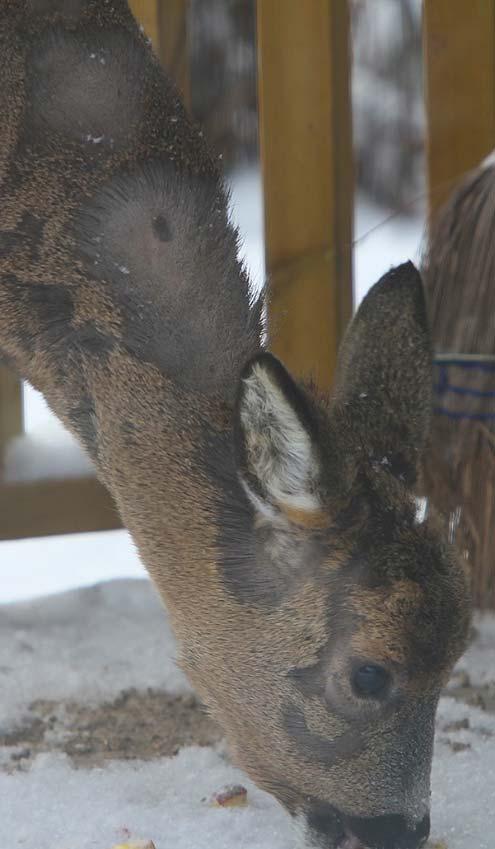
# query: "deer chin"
337,836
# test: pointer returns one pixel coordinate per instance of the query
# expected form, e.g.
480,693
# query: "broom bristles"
459,471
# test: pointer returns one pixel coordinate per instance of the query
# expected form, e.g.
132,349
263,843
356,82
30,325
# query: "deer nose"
388,832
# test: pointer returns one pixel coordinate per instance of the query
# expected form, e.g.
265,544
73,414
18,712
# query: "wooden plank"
306,150
11,410
46,507
459,52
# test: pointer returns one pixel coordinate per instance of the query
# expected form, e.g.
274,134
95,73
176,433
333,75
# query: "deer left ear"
277,451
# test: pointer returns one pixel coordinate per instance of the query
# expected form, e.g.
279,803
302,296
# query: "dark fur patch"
324,819
88,88
83,419
9,241
260,564
88,339
162,228
68,10
49,307
389,831
28,234
184,301
313,747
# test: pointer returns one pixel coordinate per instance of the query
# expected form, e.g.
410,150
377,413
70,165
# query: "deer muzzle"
384,832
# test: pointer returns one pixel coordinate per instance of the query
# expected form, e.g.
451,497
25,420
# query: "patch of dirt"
481,697
143,725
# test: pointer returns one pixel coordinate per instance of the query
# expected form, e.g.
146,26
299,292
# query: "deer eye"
370,681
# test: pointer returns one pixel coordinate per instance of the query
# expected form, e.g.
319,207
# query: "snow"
33,568
247,213
479,660
161,800
86,645
463,810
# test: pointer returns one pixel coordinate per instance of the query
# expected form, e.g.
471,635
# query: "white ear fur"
279,452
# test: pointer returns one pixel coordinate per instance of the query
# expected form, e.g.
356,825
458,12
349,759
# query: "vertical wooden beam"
11,417
459,52
306,149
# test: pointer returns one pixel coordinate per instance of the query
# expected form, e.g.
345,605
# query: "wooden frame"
47,507
459,57
306,149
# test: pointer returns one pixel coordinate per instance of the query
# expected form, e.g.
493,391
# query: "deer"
317,614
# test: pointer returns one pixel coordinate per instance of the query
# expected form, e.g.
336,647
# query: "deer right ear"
384,375
277,453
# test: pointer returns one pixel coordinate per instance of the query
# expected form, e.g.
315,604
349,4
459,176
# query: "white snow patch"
247,213
56,807
86,645
421,509
463,809
479,660
37,567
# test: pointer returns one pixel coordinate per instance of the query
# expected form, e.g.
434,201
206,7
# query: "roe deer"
317,616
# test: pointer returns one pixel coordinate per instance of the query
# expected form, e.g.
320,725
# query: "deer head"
318,613
339,609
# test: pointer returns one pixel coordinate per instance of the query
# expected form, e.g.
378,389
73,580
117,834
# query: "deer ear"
275,435
384,375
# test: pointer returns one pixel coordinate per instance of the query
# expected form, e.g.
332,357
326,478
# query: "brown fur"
279,530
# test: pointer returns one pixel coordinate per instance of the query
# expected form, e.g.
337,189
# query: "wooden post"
11,417
47,507
306,150
459,51
165,22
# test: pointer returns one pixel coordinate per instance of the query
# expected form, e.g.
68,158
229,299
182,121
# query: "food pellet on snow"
232,796
136,844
